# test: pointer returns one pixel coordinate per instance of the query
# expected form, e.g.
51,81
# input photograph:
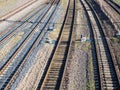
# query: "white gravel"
77,72
31,74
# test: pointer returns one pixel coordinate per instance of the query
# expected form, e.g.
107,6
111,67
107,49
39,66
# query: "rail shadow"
103,17
94,53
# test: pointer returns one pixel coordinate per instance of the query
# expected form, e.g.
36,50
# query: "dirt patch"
8,5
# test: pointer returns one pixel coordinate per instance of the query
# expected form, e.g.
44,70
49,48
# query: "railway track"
28,36
106,78
54,72
107,27
115,6
15,11
11,69
112,11
29,21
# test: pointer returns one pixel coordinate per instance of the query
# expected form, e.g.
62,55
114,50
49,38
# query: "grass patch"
115,40
119,46
90,86
117,1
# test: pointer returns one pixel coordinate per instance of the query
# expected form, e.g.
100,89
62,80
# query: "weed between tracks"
115,40
117,1
83,78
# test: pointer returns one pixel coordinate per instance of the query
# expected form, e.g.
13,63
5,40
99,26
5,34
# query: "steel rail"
112,14
108,66
24,41
100,14
6,35
69,51
108,77
53,76
94,49
115,6
17,70
27,55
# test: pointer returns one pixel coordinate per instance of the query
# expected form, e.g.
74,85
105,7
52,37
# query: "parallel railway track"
26,39
103,19
54,72
12,13
16,66
29,21
104,72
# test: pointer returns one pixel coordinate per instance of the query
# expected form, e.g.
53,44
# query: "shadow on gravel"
101,14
